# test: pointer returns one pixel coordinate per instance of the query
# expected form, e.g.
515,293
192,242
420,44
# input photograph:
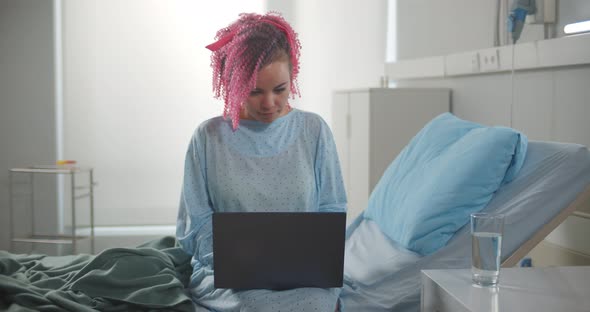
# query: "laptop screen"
278,250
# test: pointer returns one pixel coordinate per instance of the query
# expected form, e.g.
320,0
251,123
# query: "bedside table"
76,192
520,289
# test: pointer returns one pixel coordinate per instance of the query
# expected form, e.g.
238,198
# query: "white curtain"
137,83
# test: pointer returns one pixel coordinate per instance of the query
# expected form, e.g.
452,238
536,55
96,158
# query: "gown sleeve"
332,196
194,222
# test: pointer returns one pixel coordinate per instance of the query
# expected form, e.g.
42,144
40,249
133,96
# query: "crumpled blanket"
152,276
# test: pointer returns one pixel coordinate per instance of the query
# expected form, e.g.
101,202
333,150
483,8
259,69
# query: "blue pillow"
450,169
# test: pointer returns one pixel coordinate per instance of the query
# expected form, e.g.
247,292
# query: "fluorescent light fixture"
577,27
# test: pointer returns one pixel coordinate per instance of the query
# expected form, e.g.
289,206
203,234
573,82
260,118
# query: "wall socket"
489,60
475,63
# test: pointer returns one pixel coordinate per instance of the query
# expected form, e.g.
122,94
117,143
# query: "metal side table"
75,196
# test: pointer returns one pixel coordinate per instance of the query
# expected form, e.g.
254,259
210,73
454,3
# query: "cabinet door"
340,130
397,115
358,190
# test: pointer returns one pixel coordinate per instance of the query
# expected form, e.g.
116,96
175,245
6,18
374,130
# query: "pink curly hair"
245,47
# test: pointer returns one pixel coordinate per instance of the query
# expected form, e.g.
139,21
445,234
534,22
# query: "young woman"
261,155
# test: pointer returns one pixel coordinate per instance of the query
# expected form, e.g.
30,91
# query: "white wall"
343,46
427,28
27,110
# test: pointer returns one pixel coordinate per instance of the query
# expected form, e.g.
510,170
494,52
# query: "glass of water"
486,247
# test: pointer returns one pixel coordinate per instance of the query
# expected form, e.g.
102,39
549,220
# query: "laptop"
278,250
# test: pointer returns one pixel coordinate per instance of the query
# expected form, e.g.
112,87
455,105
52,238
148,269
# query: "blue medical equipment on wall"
518,12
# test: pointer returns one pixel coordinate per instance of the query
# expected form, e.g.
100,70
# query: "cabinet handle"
348,126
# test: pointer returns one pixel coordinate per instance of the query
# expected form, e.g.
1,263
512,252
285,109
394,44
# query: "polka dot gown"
290,165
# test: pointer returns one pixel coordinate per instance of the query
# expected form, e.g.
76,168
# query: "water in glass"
486,248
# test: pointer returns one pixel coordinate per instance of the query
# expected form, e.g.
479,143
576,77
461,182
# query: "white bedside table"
520,289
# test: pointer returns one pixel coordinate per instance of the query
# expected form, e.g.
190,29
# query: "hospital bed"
380,273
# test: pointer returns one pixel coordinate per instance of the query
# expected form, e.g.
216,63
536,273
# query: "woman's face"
268,100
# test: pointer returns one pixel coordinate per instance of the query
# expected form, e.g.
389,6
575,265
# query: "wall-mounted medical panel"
462,63
418,68
564,51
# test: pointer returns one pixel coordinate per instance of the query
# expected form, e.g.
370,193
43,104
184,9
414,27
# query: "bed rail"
580,214
582,200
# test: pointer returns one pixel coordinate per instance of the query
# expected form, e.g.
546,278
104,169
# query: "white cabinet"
371,127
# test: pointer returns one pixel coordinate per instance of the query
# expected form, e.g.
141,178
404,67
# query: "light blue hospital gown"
290,164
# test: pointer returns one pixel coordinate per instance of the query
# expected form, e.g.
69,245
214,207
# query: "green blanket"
150,277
